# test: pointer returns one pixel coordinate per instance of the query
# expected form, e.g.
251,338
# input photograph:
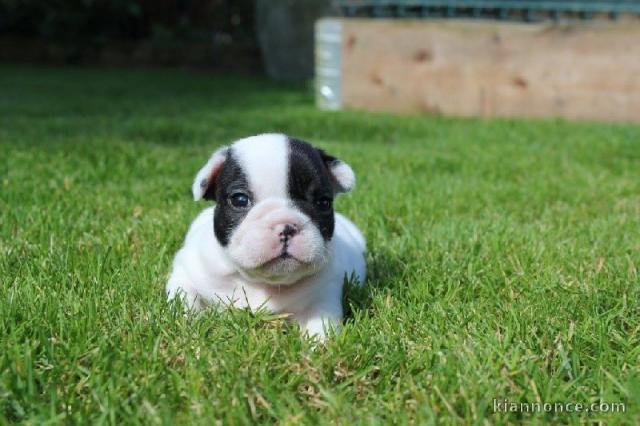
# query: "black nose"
289,230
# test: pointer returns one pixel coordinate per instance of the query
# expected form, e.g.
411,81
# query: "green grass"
503,261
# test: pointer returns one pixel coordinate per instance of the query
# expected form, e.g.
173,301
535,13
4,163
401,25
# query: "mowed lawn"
503,261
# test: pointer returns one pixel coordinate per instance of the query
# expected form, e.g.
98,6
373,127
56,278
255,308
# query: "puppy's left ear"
204,185
342,177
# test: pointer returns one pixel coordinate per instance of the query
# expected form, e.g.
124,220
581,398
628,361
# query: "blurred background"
524,58
221,35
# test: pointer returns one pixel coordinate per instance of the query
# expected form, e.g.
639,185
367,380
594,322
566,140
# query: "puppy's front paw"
191,300
321,327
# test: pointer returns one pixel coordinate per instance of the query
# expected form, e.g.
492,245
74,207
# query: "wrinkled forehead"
265,162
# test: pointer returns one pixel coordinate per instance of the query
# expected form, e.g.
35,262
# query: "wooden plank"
585,71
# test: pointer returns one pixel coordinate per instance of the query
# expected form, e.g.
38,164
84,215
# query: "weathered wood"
465,68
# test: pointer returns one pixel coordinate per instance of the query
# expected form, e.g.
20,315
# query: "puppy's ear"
204,186
342,176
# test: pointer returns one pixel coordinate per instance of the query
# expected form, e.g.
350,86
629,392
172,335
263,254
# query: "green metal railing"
523,10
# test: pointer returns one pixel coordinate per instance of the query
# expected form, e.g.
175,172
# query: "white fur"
344,176
308,285
264,157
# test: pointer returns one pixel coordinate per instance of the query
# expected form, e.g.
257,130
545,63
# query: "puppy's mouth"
284,268
284,256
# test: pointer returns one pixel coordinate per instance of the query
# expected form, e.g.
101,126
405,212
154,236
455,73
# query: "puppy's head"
274,205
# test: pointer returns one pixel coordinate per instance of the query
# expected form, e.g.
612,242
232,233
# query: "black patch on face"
309,184
231,179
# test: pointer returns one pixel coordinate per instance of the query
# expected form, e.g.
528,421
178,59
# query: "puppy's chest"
241,294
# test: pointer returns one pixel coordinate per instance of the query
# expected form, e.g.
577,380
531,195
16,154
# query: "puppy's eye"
239,200
324,203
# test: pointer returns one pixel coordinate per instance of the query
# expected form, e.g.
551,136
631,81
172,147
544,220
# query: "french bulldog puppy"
272,241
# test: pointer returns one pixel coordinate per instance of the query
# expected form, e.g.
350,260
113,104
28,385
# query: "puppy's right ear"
204,186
